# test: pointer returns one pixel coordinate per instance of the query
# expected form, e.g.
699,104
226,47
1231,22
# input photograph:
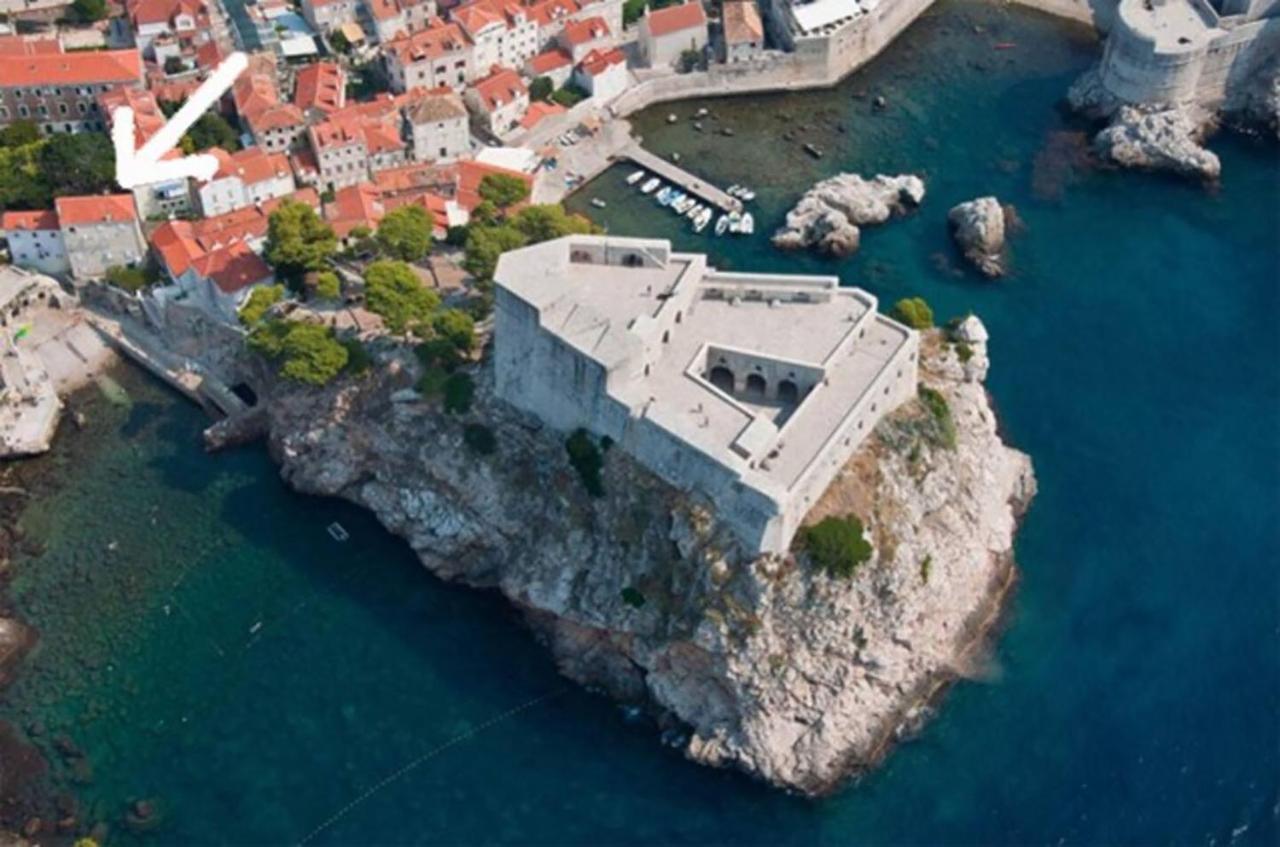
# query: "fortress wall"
1099,14
1134,69
1234,57
886,393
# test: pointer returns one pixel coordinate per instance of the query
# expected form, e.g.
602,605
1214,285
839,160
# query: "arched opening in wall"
722,378
788,392
755,385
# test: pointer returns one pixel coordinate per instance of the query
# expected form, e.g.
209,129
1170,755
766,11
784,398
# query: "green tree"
456,328
129,279
298,241
545,222
307,353
503,190
569,96
23,185
339,42
174,65
327,286
405,233
836,545
459,389
485,244
261,299
88,11
19,133
395,292
83,163
541,88
914,312
213,130
362,241
690,60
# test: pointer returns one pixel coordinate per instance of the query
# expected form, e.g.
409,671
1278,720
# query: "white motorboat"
677,196
694,211
735,222
649,186
722,224
635,177
665,196
748,224
701,221
733,190
746,195
682,205
598,203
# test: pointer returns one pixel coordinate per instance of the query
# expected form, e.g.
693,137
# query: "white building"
245,178
752,390
665,34
439,126
500,30
221,280
328,15
499,101
440,55
99,232
602,74
743,31
35,241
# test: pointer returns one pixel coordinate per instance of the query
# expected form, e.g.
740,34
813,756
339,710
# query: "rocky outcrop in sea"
762,663
979,228
830,213
1160,140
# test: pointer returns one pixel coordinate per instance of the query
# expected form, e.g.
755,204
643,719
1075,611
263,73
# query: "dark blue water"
1137,689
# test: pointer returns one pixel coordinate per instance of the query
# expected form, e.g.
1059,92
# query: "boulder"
830,213
1159,139
978,227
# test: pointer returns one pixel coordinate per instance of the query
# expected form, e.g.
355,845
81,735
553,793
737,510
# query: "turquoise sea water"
1136,687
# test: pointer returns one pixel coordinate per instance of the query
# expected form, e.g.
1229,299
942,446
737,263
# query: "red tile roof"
500,88
95,209
21,45
470,175
252,165
39,219
585,30
742,23
544,63
538,111
232,268
438,39
175,242
96,67
676,18
147,117
320,86
353,206
598,61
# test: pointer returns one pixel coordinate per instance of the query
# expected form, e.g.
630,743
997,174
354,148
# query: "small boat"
726,131
701,113
1004,45
697,125
678,198
253,630
701,221
812,150
675,157
648,187
635,177
733,190
665,196
722,224
695,211
735,222
337,531
748,224
746,195
598,203
671,118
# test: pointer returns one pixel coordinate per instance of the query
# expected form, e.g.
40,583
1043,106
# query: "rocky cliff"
830,213
766,664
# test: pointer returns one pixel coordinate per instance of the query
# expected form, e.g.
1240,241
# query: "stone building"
499,101
667,33
440,55
743,31
35,241
752,390
438,126
58,91
1183,51
244,178
99,232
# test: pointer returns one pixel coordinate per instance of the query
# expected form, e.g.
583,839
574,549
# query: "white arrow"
145,166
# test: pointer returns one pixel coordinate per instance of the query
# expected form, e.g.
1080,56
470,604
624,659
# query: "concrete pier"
682,179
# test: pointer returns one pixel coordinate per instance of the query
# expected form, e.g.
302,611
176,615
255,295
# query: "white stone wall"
665,50
94,248
39,249
441,141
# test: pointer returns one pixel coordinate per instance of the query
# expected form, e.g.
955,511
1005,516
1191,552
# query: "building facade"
666,34
59,91
439,126
100,232
35,241
750,390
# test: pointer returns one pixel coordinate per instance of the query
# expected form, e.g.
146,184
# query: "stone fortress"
751,389
1188,51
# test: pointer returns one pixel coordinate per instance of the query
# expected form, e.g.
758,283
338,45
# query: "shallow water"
1136,686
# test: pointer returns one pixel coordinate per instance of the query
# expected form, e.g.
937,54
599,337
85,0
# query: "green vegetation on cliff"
836,545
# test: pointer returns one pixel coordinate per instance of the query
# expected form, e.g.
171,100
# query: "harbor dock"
679,177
